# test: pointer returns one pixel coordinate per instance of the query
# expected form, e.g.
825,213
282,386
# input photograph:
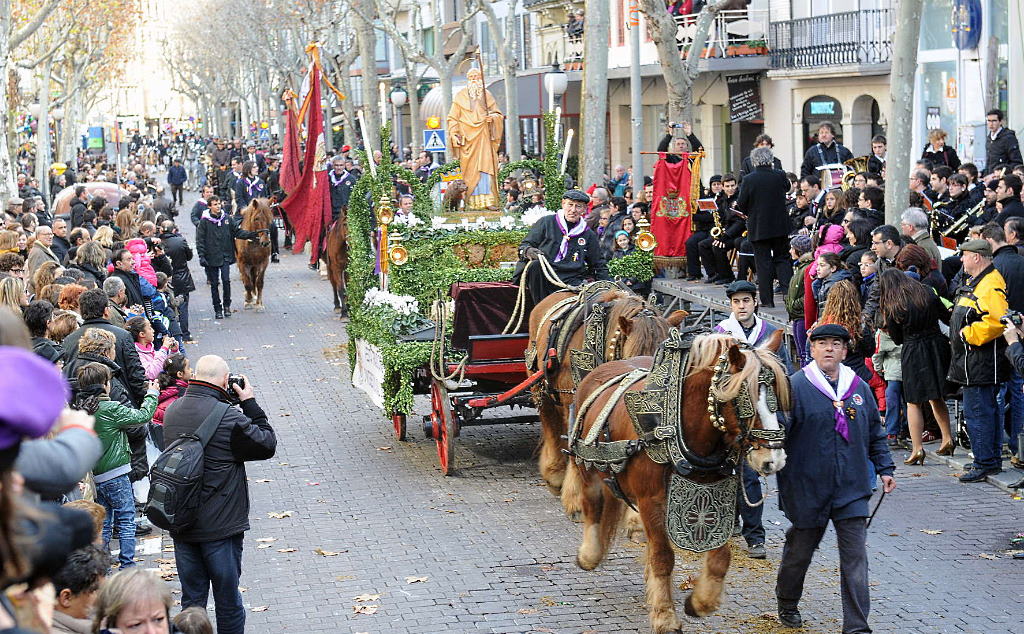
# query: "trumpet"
962,221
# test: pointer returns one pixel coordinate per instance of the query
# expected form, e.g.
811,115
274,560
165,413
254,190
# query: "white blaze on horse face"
767,461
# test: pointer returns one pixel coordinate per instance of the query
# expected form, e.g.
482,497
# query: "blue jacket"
176,175
825,476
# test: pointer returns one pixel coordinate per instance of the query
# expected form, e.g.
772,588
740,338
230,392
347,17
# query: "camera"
1013,317
233,380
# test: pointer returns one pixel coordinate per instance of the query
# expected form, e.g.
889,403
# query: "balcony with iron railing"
733,33
854,38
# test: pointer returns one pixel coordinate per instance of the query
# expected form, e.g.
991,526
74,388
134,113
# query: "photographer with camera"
209,549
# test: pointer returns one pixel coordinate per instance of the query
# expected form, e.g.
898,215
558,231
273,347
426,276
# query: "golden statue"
475,129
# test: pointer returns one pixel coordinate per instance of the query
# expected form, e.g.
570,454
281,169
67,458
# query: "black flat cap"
833,331
741,286
577,195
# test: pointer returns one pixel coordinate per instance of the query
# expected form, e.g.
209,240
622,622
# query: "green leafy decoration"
638,265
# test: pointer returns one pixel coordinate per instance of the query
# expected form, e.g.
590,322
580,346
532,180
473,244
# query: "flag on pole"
309,203
671,207
290,172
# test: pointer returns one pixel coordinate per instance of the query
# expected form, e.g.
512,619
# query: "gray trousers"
853,569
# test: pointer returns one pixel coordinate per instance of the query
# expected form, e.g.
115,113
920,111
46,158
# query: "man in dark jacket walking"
572,248
763,198
78,206
209,552
215,244
1001,145
179,253
176,178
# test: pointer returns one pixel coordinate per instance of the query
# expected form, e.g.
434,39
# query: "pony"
716,373
254,257
335,256
633,329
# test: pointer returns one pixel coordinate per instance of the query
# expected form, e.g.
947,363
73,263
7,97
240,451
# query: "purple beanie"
32,395
801,244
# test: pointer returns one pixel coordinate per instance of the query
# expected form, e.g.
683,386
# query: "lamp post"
398,99
555,83
58,116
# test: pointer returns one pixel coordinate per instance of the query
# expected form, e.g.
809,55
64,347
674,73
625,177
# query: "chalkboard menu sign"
744,97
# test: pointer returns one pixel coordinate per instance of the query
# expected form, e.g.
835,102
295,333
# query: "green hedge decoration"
638,265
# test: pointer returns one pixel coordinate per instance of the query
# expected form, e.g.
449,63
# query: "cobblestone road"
491,550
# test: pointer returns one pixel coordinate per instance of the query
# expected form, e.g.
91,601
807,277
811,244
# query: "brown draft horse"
645,482
335,256
635,329
254,257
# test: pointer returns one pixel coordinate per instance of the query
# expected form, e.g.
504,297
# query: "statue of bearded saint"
475,129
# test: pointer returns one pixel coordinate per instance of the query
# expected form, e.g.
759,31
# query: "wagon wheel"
443,426
398,420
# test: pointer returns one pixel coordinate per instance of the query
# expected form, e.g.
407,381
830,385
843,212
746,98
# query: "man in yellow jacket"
978,360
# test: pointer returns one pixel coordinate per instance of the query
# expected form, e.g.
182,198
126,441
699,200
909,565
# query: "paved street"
490,550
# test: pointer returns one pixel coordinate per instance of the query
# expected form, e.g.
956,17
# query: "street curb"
1003,480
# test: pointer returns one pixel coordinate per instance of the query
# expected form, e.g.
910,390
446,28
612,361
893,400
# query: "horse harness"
701,516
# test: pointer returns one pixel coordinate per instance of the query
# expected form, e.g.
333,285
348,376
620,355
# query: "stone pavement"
490,549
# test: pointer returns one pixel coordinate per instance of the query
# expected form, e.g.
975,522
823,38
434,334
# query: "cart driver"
568,244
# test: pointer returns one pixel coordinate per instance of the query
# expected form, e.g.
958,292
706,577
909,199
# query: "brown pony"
645,482
254,257
335,256
633,329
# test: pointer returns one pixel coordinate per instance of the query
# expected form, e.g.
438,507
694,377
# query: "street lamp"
398,99
33,109
555,82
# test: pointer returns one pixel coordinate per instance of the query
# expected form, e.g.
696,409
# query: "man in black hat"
835,444
572,248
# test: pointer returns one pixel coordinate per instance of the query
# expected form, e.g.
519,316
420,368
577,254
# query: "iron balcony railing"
854,37
733,33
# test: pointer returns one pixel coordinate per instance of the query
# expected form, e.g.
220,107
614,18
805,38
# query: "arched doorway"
816,110
864,124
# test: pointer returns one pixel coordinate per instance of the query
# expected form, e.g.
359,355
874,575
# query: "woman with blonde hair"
105,236
133,600
91,259
44,275
126,222
9,241
13,294
938,152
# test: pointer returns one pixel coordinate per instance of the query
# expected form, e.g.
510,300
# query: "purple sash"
842,424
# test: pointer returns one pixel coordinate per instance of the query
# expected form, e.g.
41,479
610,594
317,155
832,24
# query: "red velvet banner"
670,209
290,156
309,205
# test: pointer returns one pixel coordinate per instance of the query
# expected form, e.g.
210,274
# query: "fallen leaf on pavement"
262,546
931,531
287,550
268,345
261,608
344,577
285,414
383,448
363,598
527,611
266,540
277,515
328,553
241,359
416,579
365,609
987,556
163,561
261,480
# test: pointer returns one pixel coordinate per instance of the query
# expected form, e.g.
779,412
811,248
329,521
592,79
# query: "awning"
433,104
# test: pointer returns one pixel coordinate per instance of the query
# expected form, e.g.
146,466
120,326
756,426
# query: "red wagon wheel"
398,420
442,426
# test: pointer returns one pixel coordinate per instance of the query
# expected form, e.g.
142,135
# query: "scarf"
847,385
219,220
567,233
337,179
733,327
253,185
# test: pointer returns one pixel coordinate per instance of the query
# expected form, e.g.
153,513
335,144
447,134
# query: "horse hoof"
585,566
555,490
337,309
688,607
260,308
576,516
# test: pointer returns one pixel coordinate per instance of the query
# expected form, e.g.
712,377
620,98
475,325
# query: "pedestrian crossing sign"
433,140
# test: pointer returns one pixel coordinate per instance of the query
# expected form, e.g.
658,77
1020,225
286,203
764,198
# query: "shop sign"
932,120
744,97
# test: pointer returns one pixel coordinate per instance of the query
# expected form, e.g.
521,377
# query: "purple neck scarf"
847,385
567,233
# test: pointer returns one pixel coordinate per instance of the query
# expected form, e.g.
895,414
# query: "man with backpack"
209,532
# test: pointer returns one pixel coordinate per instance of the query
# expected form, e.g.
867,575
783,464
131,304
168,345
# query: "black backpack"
176,478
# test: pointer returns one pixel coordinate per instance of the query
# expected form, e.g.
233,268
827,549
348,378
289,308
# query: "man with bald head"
209,552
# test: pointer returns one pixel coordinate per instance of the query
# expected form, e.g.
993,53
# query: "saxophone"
962,221
716,231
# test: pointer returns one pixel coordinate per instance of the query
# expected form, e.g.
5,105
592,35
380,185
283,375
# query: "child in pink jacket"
152,359
829,238
141,260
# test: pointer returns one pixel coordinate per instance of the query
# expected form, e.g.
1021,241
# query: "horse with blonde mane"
671,431
254,257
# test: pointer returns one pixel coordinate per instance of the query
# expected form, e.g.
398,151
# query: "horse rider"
745,326
835,445
565,240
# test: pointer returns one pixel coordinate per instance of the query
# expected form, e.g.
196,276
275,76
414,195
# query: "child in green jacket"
113,487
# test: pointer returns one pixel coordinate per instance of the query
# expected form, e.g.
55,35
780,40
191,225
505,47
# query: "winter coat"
822,287
176,175
1011,208
827,477
1010,264
77,213
246,190
866,286
90,273
215,239
118,384
818,155
975,332
37,255
946,156
141,259
831,237
134,291
666,140
583,256
126,357
167,396
242,436
49,350
1004,150
763,199
152,359
198,209
111,420
887,357
180,253
795,292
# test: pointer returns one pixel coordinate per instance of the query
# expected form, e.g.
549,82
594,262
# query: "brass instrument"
645,240
716,231
857,164
962,221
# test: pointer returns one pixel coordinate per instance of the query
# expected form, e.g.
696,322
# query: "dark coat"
747,167
198,209
242,436
132,287
90,272
1011,207
946,156
875,164
118,382
818,155
215,239
1010,264
180,253
341,189
77,213
242,193
978,358
827,477
763,198
60,248
583,258
1004,150
47,349
176,175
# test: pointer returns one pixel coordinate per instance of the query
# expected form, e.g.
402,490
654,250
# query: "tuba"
857,164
